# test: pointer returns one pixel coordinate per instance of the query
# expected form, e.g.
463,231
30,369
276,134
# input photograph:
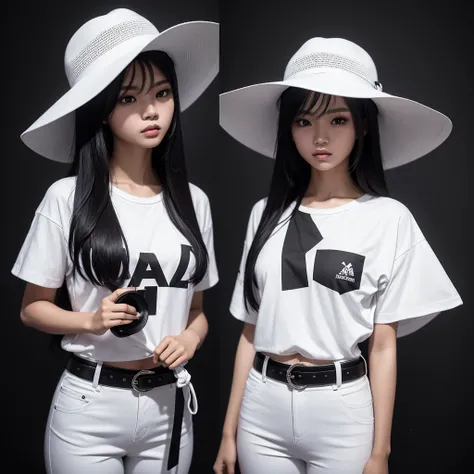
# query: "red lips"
151,127
321,151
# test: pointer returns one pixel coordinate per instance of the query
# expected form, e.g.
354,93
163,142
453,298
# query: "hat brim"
408,130
194,48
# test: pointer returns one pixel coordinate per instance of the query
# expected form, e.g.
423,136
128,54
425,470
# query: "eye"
301,122
163,93
339,121
126,99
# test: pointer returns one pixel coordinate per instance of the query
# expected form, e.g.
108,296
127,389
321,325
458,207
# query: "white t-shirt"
156,248
327,275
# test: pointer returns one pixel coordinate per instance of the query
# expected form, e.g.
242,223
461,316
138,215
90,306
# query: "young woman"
329,260
132,241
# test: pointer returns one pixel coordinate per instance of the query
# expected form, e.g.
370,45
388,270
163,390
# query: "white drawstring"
184,379
264,369
97,371
337,385
365,362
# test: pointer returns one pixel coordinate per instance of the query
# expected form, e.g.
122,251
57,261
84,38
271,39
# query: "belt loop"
337,385
264,369
98,369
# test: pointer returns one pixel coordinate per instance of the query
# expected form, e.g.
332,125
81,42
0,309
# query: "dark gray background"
420,53
35,38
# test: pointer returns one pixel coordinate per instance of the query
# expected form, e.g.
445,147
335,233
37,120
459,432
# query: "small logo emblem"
347,273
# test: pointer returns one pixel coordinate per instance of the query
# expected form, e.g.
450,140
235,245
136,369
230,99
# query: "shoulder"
391,209
397,216
62,188
259,206
198,195
59,196
256,213
202,207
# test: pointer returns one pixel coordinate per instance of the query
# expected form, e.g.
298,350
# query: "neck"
334,183
131,164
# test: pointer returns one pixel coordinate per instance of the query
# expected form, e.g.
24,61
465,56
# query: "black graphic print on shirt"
335,269
301,236
340,271
148,267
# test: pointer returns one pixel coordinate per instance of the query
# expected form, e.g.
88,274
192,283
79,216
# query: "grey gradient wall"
421,53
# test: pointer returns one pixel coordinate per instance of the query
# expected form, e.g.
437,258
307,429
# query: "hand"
175,350
226,457
110,314
376,465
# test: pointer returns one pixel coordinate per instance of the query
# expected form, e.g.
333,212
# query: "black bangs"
144,64
303,101
314,103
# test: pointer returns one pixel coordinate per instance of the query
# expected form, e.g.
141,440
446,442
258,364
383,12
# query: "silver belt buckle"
290,377
135,380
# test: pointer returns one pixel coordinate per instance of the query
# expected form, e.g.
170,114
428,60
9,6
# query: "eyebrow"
156,84
335,111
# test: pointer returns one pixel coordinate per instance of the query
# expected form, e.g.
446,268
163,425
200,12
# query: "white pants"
314,431
106,430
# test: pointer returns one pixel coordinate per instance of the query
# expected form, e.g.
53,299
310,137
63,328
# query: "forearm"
197,326
242,365
383,368
47,317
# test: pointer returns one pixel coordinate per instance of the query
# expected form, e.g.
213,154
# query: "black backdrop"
420,54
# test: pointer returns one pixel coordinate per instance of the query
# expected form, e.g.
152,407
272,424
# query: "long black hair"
291,173
97,245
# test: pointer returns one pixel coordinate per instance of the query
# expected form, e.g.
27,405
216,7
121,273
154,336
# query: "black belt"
299,376
140,381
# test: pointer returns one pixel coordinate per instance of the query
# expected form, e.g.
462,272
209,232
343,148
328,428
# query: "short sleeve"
204,216
418,288
237,305
212,276
42,259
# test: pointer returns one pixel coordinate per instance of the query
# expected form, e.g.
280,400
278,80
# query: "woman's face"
325,141
143,118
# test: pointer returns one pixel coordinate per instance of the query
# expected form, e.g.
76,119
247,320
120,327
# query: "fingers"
172,360
115,322
124,308
160,348
177,362
223,467
170,353
112,315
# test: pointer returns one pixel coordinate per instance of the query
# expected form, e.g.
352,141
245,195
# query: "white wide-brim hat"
101,49
335,66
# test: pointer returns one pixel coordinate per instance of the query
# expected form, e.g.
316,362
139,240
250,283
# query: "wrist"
228,433
381,453
87,322
192,336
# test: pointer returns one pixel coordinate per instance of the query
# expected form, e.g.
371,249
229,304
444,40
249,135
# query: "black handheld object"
138,301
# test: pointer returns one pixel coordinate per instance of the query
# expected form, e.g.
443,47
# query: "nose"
320,136
150,113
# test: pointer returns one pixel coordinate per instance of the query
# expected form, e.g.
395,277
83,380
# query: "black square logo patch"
340,271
